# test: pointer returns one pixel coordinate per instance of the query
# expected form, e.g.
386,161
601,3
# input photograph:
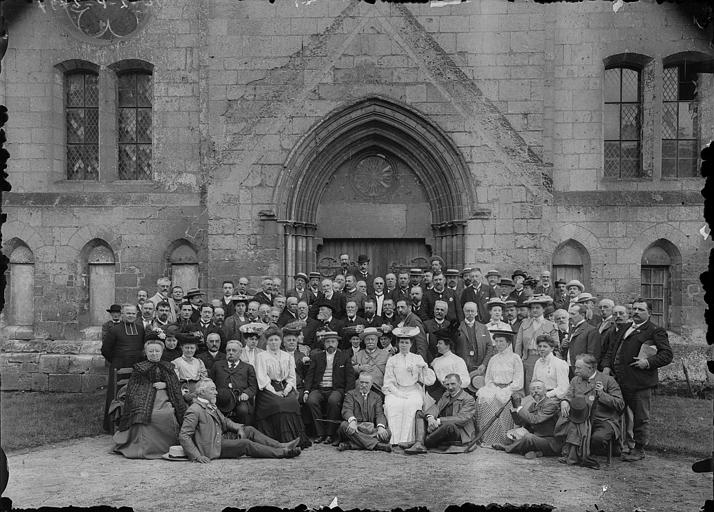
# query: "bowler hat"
301,275
175,453
362,258
578,409
577,283
505,282
518,273
114,308
315,275
193,292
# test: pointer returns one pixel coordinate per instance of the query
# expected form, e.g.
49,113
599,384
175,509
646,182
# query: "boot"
416,448
383,447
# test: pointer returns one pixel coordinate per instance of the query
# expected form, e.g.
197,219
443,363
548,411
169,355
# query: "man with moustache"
371,318
163,286
492,278
325,321
236,384
362,273
299,291
403,289
584,338
213,352
378,295
407,318
478,293
453,284
147,314
439,292
420,305
433,325
545,287
336,299
290,313
313,288
474,343
371,359
364,426
227,299
351,293
265,295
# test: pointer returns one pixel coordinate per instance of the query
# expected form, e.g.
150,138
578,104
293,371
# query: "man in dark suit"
439,292
336,299
478,293
313,287
408,319
236,384
115,314
184,321
227,299
362,273
474,344
351,320
433,325
420,305
492,278
561,299
402,291
206,326
213,353
453,284
538,414
371,318
325,321
122,347
449,421
518,293
329,376
265,296
636,369
194,296
300,290
290,313
584,338
364,426
544,286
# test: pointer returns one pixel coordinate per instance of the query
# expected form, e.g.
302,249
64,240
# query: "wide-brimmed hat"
540,299
518,273
500,333
511,302
315,275
328,335
301,275
193,292
451,272
294,327
584,297
493,272
324,303
578,409
241,298
505,282
362,258
184,338
175,453
252,329
577,283
477,382
405,332
114,308
370,331
495,301
522,303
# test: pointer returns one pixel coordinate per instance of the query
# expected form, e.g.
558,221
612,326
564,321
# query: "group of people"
415,361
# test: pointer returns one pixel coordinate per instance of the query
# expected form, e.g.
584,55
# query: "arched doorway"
357,179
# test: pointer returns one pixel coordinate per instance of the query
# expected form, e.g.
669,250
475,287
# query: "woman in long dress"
404,377
277,411
153,410
503,379
529,331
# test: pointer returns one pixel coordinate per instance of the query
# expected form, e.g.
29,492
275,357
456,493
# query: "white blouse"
402,371
194,370
505,368
553,373
269,366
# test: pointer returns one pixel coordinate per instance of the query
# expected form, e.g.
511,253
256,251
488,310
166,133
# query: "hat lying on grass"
175,453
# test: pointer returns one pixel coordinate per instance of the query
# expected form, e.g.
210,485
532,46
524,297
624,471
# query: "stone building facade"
206,140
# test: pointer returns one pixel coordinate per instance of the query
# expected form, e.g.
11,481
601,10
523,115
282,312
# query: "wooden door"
386,255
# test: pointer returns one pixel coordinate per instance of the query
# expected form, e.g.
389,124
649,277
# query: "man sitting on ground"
365,426
450,421
537,414
204,424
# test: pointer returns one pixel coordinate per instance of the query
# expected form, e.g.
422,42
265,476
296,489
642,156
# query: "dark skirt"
152,440
279,417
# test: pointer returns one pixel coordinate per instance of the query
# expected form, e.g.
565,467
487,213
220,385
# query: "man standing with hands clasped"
642,350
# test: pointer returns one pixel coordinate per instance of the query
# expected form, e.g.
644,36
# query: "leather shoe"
292,452
498,447
343,446
319,439
383,447
533,455
336,441
416,448
328,440
634,455
591,464
404,446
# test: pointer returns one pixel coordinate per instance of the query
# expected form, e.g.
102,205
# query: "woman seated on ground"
503,379
153,410
277,411
189,370
404,377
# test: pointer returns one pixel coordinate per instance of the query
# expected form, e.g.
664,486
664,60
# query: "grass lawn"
32,419
681,425
678,425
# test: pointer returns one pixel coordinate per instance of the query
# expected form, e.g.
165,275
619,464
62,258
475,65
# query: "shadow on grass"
681,425
30,419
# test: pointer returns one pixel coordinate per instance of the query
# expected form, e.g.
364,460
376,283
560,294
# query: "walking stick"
686,376
473,444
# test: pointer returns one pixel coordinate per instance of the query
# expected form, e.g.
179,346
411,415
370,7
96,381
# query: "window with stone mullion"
623,123
679,126
135,125
82,125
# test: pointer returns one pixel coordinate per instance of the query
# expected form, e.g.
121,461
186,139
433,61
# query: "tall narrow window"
622,119
135,120
82,125
679,126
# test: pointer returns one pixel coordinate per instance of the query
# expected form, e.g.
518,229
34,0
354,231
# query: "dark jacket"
455,313
462,414
584,339
121,349
343,377
242,377
628,347
314,325
338,302
373,413
539,418
480,297
209,361
475,352
430,327
263,298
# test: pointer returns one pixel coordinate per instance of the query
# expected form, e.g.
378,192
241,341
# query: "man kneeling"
538,414
450,421
364,427
203,427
